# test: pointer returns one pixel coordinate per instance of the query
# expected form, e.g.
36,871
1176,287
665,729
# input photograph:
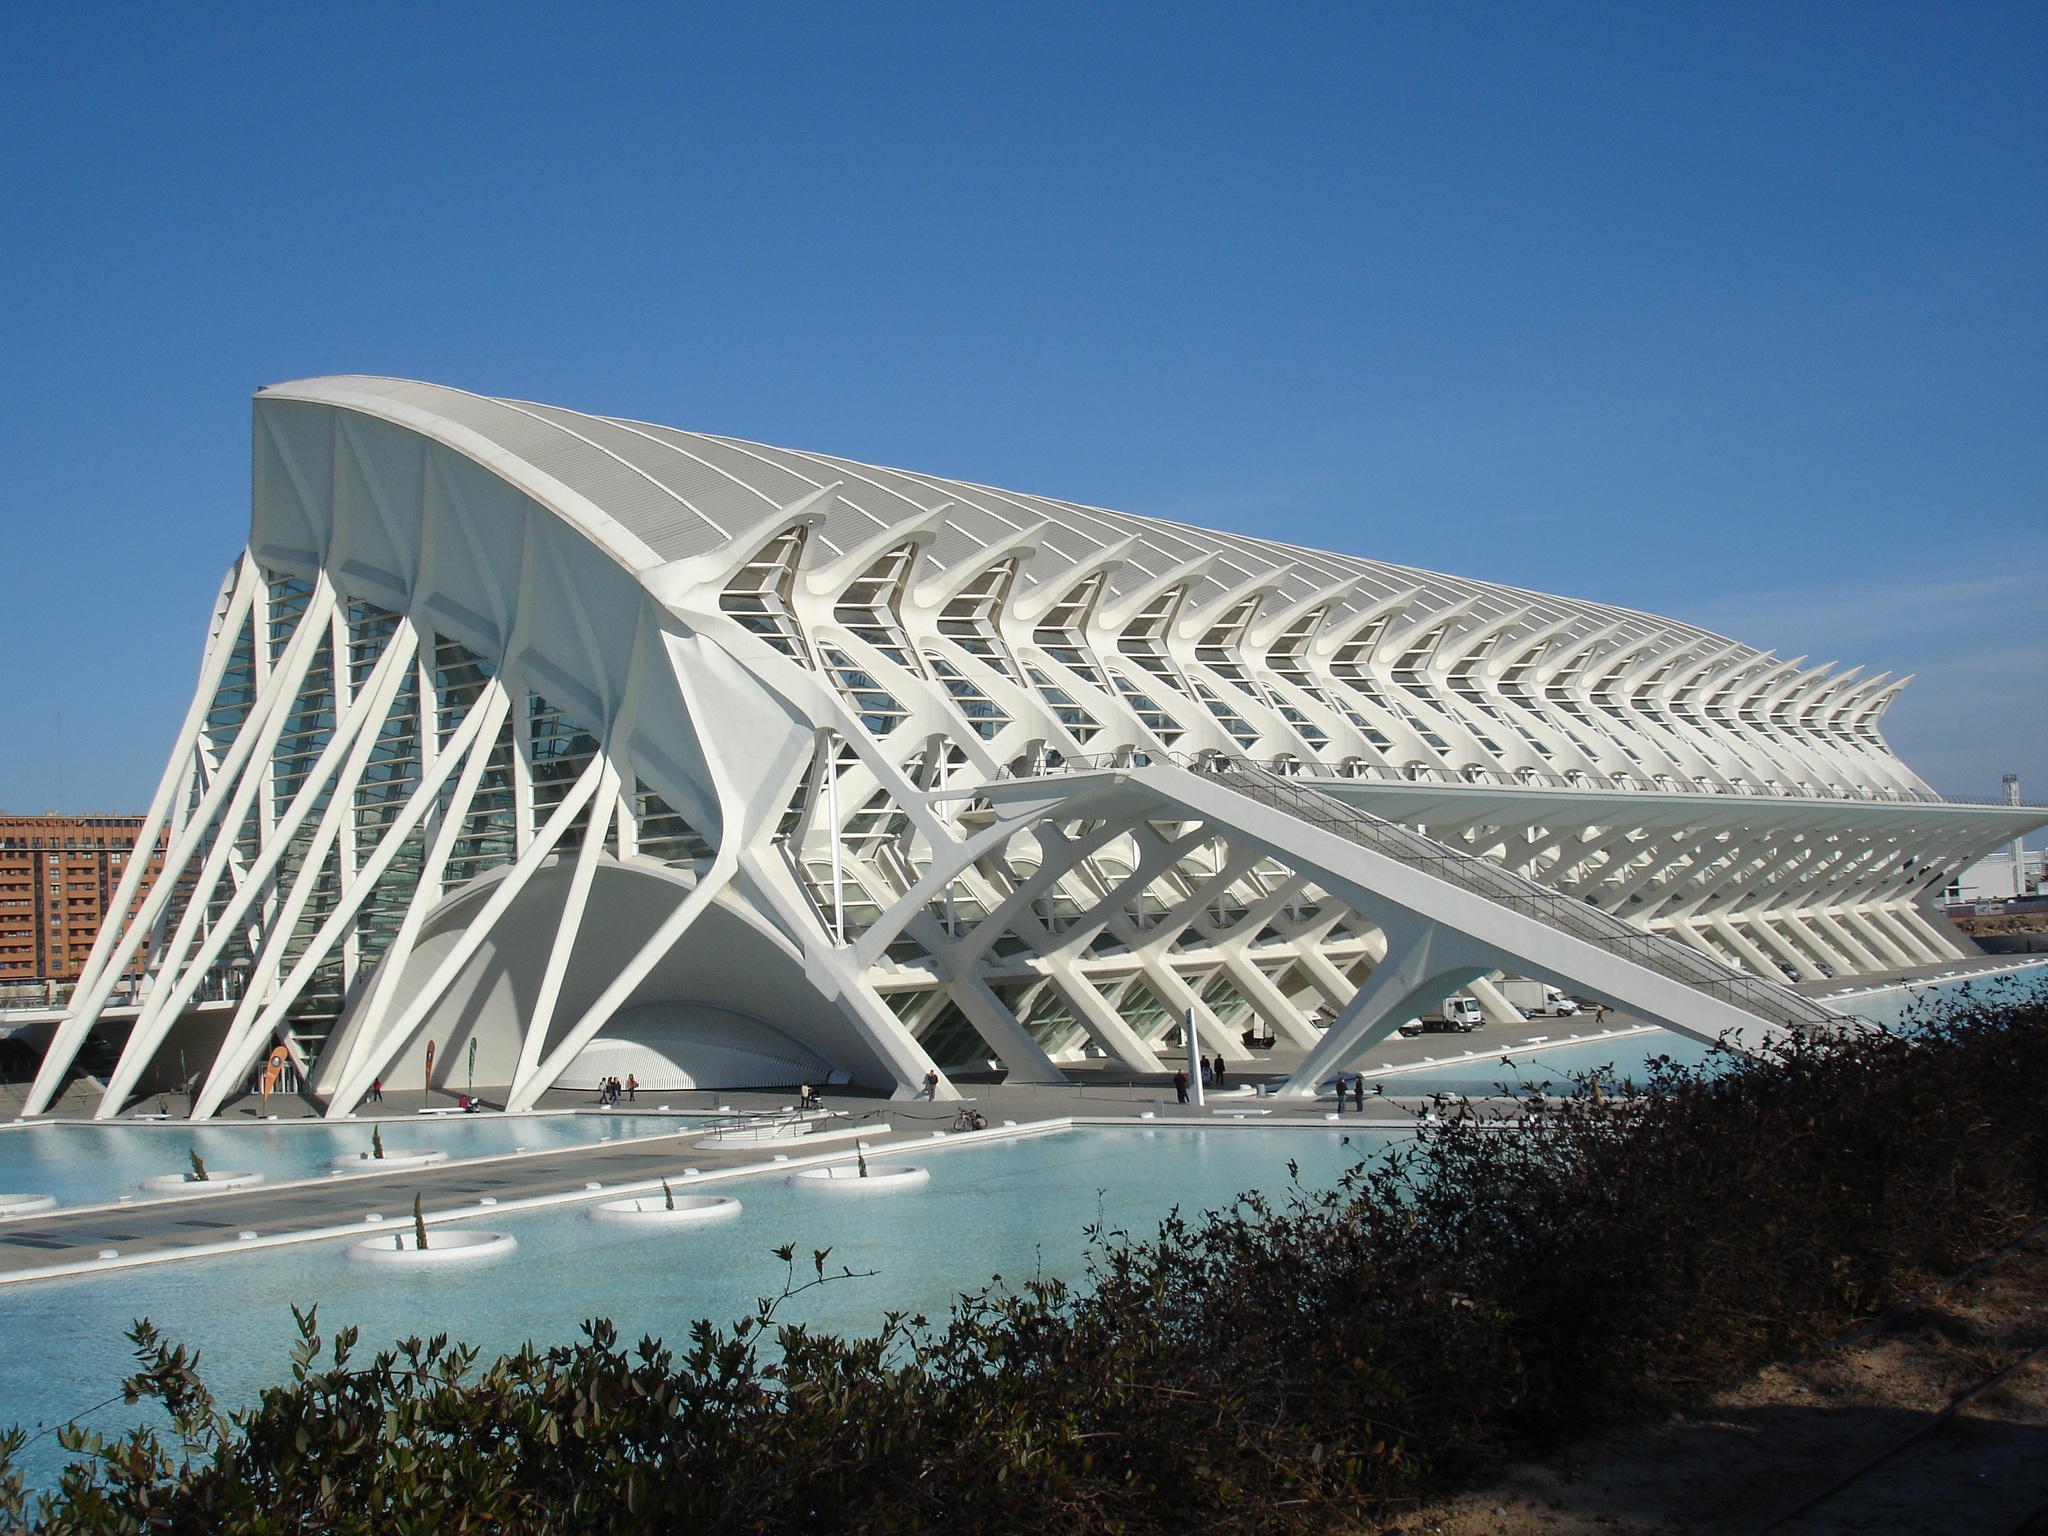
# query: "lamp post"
2011,781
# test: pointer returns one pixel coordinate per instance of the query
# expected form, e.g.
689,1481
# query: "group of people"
611,1090
1354,1083
1212,1077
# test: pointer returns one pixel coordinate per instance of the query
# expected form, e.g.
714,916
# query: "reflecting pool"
1016,1209
1894,1006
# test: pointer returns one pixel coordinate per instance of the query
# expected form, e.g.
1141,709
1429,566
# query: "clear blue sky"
1734,313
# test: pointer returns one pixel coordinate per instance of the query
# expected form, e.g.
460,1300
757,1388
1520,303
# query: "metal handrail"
1526,778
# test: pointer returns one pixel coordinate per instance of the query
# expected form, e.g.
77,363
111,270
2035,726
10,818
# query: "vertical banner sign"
428,1085
472,1063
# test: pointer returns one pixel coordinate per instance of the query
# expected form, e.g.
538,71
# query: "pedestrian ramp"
1449,917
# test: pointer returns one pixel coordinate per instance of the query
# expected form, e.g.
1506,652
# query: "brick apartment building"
58,877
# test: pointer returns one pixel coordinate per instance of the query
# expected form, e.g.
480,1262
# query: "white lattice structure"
517,725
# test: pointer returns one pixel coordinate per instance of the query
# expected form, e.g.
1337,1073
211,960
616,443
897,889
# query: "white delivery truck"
1538,999
1455,1015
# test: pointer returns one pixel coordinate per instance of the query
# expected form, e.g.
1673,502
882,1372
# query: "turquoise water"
91,1164
1017,1209
1551,1068
1629,1057
1894,1006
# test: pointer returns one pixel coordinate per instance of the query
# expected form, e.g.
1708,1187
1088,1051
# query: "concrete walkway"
146,1230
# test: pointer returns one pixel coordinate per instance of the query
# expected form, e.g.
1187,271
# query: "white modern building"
554,742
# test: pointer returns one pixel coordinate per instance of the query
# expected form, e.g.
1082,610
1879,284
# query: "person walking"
1219,1069
931,1086
376,1090
1358,1092
632,1088
1180,1086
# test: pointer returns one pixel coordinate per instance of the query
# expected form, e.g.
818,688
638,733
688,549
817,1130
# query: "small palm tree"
668,1195
419,1226
376,1142
199,1174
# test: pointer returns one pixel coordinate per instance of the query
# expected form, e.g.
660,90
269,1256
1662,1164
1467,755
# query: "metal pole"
2019,844
1194,1041
832,816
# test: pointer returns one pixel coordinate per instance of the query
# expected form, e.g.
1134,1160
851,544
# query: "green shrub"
1273,1367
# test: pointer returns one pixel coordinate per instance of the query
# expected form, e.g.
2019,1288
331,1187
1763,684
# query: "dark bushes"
1486,1292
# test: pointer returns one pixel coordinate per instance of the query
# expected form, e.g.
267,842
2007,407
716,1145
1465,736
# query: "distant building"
1991,878
58,877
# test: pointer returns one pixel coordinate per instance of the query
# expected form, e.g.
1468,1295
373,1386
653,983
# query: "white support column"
834,828
603,805
626,819
1876,939
1424,965
1683,931
1171,988
1909,913
635,971
1904,935
1738,941
386,1042
1846,940
244,774
1022,1056
1493,1003
231,787
115,937
1104,1024
468,751
1762,924
1818,941
260,1013
362,1028
364,717
522,770
1267,1000
1335,986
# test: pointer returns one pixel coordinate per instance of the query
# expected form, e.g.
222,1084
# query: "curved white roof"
687,493
652,495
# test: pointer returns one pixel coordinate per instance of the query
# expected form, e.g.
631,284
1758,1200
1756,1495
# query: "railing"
1581,920
35,994
49,996
1480,778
